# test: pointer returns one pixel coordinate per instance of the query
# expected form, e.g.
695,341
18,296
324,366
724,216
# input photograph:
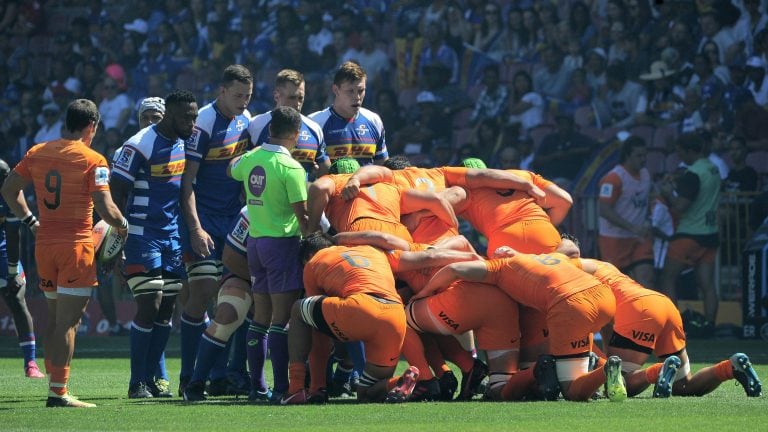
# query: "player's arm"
231,165
380,240
367,175
108,211
300,210
458,242
433,258
13,244
500,179
201,242
318,195
474,271
414,200
13,194
557,203
322,167
680,194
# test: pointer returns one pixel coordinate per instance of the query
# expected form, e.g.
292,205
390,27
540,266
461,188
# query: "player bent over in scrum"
648,322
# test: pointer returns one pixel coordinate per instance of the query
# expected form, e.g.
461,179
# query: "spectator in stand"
703,74
493,99
691,119
372,59
756,80
581,24
742,177
712,51
453,98
563,153
664,98
51,128
751,22
579,92
428,124
459,31
526,106
624,100
488,36
115,107
436,51
391,115
509,158
551,76
750,122
596,60
63,82
712,30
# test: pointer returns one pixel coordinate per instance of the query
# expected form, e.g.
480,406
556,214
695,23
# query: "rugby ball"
106,241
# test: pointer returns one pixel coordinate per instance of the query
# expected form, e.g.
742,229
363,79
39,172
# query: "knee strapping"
207,269
240,305
568,369
171,286
683,372
145,283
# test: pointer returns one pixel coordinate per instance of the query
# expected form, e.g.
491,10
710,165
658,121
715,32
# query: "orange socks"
413,351
455,353
518,385
392,382
652,372
58,380
297,373
583,387
724,370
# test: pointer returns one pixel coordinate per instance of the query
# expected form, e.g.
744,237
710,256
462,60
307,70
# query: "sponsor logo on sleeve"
194,140
606,190
101,176
125,158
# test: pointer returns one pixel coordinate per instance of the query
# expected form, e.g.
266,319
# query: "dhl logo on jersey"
227,152
303,155
168,170
353,150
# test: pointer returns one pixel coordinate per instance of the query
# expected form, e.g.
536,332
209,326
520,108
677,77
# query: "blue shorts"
217,226
143,254
274,265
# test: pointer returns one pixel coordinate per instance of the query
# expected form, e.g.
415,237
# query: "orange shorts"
487,310
394,228
690,252
651,321
526,236
625,252
380,324
572,320
533,327
431,229
66,265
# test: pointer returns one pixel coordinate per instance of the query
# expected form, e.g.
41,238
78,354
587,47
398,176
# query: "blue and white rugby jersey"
361,137
154,165
215,141
310,149
237,238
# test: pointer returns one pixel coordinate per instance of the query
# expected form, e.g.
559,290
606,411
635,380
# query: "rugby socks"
723,370
356,352
161,372
237,362
219,369
57,386
583,387
208,351
27,345
160,334
518,385
455,353
277,340
318,360
297,375
141,340
191,330
652,372
413,351
433,355
256,349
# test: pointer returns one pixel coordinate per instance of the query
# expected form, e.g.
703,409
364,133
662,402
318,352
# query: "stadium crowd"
553,94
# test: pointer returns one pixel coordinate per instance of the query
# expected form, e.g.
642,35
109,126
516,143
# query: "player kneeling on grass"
351,295
648,322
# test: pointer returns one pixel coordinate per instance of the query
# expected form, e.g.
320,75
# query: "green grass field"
100,375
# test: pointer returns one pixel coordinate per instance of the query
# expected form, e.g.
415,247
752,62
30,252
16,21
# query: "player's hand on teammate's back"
537,193
34,228
15,283
351,189
202,243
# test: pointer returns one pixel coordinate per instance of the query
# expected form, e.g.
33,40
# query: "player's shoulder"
321,117
372,117
143,141
260,120
206,118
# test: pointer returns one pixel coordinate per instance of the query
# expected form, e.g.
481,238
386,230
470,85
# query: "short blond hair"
289,76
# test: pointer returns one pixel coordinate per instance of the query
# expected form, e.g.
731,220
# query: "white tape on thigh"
202,270
571,368
77,292
141,284
307,307
171,287
683,371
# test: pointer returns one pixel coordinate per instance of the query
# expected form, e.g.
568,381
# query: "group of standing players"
349,262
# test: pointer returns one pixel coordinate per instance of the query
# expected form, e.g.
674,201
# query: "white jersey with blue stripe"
361,137
153,164
237,238
216,141
309,150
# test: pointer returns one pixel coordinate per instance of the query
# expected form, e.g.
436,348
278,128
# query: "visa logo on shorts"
354,150
643,336
228,151
584,343
448,321
168,170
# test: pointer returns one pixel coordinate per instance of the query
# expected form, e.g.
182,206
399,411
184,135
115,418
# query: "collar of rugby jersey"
275,148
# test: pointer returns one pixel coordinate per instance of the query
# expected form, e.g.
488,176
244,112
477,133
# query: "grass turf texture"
100,375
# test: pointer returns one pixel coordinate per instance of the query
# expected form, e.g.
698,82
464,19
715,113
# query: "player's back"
64,174
491,209
380,201
539,281
624,288
341,271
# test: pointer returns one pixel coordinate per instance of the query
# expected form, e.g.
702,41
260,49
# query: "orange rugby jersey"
430,179
624,288
340,271
538,281
64,174
380,201
489,210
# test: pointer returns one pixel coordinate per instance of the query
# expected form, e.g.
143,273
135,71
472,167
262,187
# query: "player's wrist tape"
29,220
13,268
124,224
